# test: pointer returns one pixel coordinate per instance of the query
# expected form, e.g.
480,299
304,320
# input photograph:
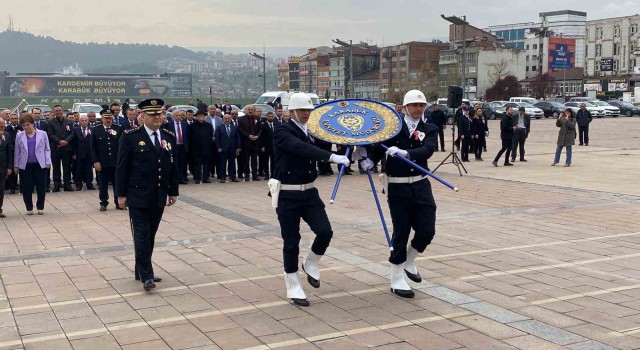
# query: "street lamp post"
264,69
463,22
350,46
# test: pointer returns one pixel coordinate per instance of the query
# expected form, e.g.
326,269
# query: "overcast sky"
250,23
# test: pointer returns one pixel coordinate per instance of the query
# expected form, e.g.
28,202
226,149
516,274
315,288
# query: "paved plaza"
526,257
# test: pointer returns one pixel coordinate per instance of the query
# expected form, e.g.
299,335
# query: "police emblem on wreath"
354,122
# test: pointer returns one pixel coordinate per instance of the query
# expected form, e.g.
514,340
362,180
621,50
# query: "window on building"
599,33
385,64
527,68
471,69
598,49
403,63
534,68
471,57
534,57
443,83
616,30
527,46
615,65
616,48
527,58
403,52
443,70
633,28
394,53
535,46
394,64
385,75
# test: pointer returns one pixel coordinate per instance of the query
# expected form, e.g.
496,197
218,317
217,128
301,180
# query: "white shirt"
412,124
302,126
150,132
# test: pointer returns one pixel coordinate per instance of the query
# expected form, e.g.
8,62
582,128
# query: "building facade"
365,58
367,85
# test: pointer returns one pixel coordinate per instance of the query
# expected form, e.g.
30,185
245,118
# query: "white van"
529,100
282,97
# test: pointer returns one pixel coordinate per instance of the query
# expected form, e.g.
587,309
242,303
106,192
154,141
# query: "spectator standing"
6,160
60,133
566,136
31,159
228,143
583,119
200,147
521,129
506,134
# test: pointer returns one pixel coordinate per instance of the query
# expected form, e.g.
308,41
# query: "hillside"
23,52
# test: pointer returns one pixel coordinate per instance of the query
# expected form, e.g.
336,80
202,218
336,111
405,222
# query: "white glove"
395,151
366,164
344,160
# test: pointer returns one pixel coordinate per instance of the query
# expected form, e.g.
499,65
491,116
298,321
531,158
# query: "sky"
284,23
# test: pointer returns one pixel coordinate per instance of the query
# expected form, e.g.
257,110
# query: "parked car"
446,110
626,108
84,108
595,111
529,100
43,108
490,109
530,110
264,107
180,107
551,108
609,110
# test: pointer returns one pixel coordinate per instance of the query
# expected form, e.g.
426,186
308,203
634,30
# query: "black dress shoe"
119,207
312,281
91,188
148,285
235,180
300,302
78,189
403,293
523,160
246,178
508,164
221,181
256,178
414,276
12,192
103,208
155,279
56,189
68,189
206,181
197,182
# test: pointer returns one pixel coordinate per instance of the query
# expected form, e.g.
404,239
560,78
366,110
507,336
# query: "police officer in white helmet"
295,197
411,202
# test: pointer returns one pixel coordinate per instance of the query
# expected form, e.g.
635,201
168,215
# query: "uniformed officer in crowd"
464,133
147,181
104,154
411,202
294,195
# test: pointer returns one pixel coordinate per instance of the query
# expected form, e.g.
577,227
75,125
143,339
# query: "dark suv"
551,108
626,108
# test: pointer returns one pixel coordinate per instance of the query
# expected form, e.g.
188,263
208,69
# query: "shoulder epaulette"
129,131
169,132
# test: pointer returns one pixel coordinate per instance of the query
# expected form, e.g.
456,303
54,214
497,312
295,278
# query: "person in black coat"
478,132
521,128
6,161
464,133
250,131
440,120
409,195
297,198
228,143
506,134
146,182
82,155
104,154
60,132
12,128
180,127
266,145
200,147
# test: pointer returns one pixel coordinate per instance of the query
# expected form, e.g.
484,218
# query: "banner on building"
618,85
562,53
592,85
636,70
169,85
606,64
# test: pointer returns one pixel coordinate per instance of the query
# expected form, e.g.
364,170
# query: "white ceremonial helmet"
414,96
300,100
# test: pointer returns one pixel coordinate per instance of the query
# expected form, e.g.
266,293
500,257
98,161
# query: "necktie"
228,130
84,132
38,124
108,131
179,132
271,126
156,141
251,125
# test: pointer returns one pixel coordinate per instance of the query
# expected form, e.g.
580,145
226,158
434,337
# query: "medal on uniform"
421,135
169,146
113,132
67,127
141,143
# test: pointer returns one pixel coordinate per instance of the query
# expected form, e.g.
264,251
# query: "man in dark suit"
506,135
295,197
250,130
440,120
82,154
214,119
131,122
104,154
92,120
268,159
12,128
228,143
200,147
521,127
464,133
146,182
60,132
6,161
179,127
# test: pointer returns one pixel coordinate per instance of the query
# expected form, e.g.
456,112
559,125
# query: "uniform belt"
406,180
302,187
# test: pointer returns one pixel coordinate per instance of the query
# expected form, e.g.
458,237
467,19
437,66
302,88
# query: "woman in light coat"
566,135
31,160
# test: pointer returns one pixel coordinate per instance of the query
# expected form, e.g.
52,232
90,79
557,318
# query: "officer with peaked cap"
295,197
104,154
411,202
146,181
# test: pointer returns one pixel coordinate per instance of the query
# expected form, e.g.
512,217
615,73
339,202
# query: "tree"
498,70
504,89
541,85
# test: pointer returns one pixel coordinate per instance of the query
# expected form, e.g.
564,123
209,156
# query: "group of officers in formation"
126,151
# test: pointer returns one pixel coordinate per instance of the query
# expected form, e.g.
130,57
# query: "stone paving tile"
234,338
106,342
183,336
544,331
422,338
489,327
530,342
147,345
37,323
475,340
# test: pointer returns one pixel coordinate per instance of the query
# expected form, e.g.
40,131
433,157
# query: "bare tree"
498,70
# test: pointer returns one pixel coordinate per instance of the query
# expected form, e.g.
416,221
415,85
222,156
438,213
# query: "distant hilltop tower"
10,28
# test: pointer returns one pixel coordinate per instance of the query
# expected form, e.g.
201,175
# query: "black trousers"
3,177
84,171
227,165
441,137
308,206
107,175
583,132
406,215
201,167
249,156
213,160
479,142
267,163
65,158
144,225
506,147
519,138
12,181
181,161
32,175
464,149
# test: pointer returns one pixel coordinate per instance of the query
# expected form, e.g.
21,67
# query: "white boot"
294,289
398,285
410,265
311,267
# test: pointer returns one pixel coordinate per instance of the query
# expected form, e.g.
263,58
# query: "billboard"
606,65
617,85
169,85
562,53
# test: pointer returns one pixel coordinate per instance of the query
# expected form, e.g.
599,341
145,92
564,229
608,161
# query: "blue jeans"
558,151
